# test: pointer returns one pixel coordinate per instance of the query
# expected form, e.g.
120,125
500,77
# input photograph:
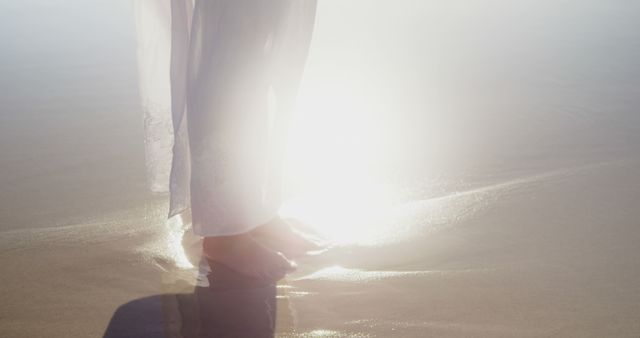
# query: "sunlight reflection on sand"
341,274
370,215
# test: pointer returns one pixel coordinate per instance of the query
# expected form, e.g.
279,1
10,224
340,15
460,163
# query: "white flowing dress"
218,81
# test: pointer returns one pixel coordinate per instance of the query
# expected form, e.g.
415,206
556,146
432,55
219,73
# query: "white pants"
218,81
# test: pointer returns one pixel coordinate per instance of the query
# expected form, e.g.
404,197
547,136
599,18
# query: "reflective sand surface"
535,261
475,165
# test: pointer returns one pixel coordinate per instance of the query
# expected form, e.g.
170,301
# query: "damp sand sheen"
500,198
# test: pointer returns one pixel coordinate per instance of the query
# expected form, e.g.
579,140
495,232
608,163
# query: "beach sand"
501,199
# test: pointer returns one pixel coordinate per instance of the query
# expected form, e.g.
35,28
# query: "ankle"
223,243
276,224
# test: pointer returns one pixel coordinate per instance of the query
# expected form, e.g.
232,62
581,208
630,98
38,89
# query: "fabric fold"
206,69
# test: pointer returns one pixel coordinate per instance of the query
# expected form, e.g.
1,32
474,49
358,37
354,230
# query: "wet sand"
543,258
507,135
530,260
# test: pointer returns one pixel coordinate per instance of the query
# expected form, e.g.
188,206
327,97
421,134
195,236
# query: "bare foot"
279,235
242,254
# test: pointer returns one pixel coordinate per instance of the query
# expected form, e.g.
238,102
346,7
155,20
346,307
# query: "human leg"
227,114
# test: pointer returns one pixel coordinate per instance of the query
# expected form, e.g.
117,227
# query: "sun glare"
332,165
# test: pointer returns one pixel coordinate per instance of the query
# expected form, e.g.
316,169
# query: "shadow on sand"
233,306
